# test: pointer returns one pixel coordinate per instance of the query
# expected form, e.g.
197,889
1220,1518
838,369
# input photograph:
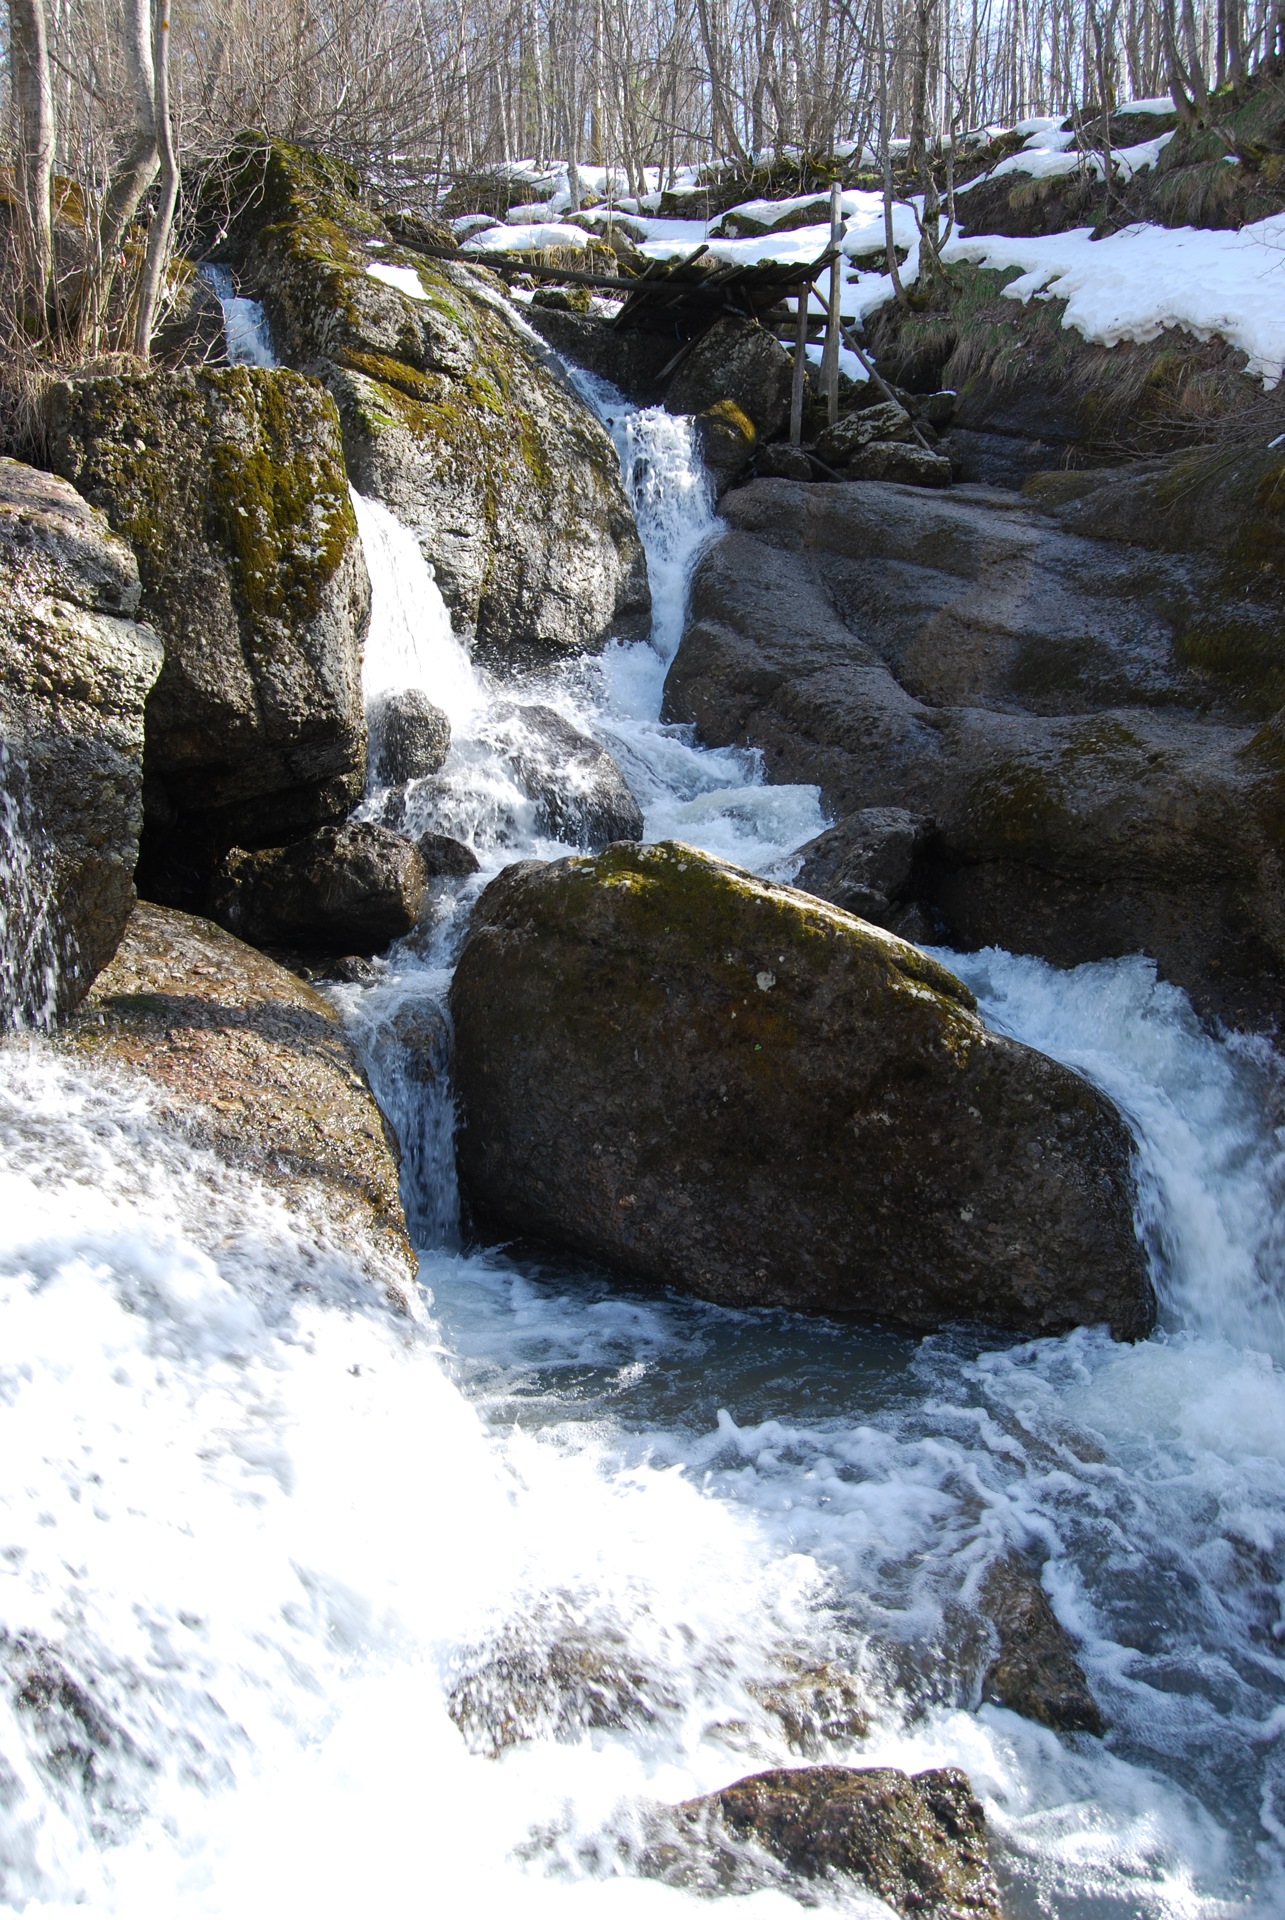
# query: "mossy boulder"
455,416
229,486
917,1841
254,1064
76,666
711,1082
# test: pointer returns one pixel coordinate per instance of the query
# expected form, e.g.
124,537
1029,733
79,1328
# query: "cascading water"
306,1606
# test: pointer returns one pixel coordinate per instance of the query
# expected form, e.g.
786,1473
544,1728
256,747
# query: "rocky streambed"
826,1452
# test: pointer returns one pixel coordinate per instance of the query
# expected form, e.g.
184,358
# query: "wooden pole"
830,356
800,367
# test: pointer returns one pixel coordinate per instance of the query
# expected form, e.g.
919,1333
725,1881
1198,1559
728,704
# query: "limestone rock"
349,889
455,417
581,796
410,737
76,666
917,1841
229,484
1035,693
1035,1670
738,361
253,1063
707,1081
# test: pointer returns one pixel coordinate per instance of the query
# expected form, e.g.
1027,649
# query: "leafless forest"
114,106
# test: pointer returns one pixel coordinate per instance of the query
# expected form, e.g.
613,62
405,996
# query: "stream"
310,1607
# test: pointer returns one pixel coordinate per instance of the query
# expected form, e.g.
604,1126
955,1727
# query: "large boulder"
454,415
76,666
229,485
1085,721
715,1083
740,361
354,888
916,1841
254,1064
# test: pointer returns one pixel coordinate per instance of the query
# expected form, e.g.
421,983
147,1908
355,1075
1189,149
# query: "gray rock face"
580,793
727,442
853,431
410,738
711,1082
348,889
230,487
1035,693
904,465
76,667
737,361
917,1841
458,419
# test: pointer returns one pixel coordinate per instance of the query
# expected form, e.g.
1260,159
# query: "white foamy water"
245,325
281,1572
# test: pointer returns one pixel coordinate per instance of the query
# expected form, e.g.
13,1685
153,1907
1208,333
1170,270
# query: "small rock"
854,431
817,1705
907,465
937,409
349,889
446,858
409,737
1035,1672
783,463
865,864
918,1842
727,442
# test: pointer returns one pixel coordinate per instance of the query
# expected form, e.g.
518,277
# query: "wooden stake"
830,357
800,367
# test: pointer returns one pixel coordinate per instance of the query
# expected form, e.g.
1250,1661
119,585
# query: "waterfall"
245,325
306,1605
29,958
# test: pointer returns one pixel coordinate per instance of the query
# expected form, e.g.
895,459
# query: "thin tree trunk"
158,237
830,356
137,170
34,109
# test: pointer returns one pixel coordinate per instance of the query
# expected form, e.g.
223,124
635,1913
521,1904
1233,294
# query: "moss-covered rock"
719,1084
229,486
254,1064
916,1841
454,416
76,666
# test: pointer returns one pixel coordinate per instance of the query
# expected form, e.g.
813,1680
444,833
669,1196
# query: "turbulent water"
306,1607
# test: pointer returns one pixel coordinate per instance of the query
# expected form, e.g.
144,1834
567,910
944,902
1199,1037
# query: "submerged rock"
348,890
410,737
454,416
1035,1671
229,484
253,1063
711,1082
917,1841
76,667
581,796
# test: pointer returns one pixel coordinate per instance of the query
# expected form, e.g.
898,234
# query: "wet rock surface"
579,792
868,864
455,417
230,487
446,858
917,1841
347,890
76,667
410,737
1037,693
708,1081
1035,1671
253,1063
